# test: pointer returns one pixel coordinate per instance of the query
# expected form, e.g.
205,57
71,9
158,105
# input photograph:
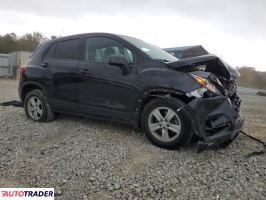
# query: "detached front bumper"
217,120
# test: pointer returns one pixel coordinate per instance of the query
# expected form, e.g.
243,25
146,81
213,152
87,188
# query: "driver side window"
99,49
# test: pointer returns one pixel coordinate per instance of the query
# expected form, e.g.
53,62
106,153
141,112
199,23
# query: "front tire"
164,126
37,107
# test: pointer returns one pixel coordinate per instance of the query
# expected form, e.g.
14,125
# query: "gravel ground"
91,159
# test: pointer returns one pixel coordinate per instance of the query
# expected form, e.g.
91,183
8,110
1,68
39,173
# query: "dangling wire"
257,140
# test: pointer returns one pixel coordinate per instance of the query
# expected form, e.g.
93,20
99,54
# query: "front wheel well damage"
160,93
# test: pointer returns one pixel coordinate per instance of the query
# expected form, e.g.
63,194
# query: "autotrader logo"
27,193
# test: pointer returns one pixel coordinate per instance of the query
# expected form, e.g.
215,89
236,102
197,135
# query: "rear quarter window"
50,52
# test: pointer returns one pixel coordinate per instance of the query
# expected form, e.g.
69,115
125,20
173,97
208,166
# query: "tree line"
10,42
251,78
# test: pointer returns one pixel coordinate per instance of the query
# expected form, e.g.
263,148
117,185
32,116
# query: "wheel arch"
29,86
162,93
180,104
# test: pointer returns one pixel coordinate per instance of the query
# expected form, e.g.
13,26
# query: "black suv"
125,79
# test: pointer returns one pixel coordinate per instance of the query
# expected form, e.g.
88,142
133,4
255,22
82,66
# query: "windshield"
151,50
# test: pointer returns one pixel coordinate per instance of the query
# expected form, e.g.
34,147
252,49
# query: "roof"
81,35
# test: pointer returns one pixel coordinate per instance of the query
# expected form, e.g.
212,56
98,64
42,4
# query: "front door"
103,89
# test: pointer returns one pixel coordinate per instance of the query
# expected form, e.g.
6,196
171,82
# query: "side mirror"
120,61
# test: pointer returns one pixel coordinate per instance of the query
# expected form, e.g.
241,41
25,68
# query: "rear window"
68,49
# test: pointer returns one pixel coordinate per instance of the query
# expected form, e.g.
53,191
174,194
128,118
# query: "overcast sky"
232,29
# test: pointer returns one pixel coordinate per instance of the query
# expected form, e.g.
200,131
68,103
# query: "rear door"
62,59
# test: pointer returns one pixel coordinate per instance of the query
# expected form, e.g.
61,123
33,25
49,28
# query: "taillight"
22,69
21,72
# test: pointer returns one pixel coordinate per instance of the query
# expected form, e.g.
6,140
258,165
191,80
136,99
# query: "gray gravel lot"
91,159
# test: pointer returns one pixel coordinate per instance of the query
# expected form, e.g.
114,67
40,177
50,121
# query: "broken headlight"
204,83
197,93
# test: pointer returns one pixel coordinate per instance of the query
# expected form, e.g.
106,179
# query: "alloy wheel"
164,124
35,108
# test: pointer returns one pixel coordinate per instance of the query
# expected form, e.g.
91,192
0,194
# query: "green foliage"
251,78
11,42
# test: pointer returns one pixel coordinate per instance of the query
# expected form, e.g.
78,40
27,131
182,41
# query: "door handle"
85,71
45,64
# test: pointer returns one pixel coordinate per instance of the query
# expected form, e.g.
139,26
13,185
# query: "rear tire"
37,107
164,126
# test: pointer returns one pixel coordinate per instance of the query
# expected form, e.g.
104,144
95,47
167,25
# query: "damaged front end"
218,120
215,106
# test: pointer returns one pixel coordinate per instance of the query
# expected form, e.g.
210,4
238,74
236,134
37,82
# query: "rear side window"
68,49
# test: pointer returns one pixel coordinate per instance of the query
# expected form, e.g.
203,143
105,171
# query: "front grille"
232,94
216,123
235,100
231,88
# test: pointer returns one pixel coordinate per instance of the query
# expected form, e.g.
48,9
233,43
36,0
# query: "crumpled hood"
213,64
